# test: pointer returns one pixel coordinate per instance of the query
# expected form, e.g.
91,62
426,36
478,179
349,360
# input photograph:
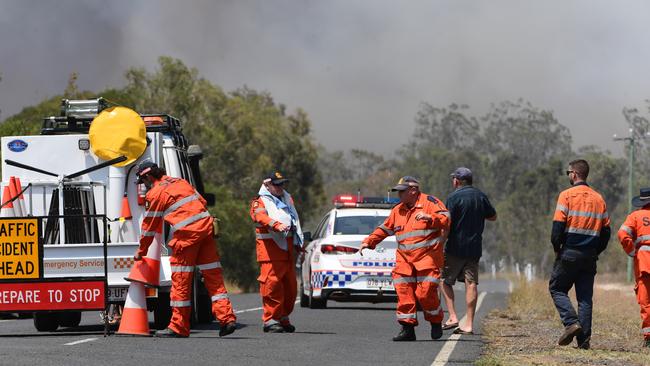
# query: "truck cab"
74,247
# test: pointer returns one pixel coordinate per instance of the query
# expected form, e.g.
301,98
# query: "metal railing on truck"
23,285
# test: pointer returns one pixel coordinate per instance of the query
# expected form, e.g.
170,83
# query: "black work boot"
227,329
407,334
583,343
436,330
273,328
168,333
288,328
569,332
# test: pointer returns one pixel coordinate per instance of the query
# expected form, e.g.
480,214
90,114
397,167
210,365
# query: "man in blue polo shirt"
469,208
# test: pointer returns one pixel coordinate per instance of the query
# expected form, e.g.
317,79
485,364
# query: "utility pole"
631,142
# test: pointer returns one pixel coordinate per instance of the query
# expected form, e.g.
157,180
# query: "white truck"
75,247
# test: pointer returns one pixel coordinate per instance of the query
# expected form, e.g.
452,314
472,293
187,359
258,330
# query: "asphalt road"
342,334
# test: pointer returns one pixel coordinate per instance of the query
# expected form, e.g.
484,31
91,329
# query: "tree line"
518,153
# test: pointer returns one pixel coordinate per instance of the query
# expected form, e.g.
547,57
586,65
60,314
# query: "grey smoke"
359,68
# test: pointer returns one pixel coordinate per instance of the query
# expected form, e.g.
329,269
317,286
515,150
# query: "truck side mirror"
307,236
210,198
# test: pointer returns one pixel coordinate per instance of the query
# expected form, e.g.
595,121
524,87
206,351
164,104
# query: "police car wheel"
46,322
304,299
317,303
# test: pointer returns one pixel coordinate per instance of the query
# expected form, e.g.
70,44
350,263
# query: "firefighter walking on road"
634,236
580,233
419,223
175,201
278,239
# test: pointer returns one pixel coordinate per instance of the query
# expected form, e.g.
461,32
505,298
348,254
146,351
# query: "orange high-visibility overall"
419,259
176,202
634,236
278,286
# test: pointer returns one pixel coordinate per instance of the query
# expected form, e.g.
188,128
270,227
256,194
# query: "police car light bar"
346,200
355,201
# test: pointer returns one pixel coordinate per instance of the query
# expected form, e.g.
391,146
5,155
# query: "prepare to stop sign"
34,296
22,283
52,295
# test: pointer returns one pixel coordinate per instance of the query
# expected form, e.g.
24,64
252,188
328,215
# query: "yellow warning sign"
20,252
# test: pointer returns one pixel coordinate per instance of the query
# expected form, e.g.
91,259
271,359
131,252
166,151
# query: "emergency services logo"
17,145
278,175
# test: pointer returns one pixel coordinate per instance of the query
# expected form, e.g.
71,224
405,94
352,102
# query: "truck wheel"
202,310
304,299
46,322
69,318
162,313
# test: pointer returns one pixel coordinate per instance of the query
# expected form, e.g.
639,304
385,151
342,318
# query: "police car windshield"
357,225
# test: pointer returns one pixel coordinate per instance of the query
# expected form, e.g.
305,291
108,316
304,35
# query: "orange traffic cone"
8,209
126,210
135,320
21,199
147,271
12,191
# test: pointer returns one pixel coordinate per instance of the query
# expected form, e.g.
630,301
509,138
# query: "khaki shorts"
460,269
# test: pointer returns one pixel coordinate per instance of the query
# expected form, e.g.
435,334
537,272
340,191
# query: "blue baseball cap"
462,173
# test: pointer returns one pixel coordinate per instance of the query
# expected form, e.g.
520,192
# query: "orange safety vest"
420,243
175,201
584,212
267,249
634,236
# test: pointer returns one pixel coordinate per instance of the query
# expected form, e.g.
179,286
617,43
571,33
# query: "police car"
334,270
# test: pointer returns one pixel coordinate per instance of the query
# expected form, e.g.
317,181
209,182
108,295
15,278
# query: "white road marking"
445,352
81,341
247,310
255,309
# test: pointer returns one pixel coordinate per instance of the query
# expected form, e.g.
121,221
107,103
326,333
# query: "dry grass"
232,288
526,333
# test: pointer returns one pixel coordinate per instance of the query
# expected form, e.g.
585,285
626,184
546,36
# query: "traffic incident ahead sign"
21,252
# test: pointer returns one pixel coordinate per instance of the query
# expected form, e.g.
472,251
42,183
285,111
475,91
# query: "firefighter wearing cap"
175,201
580,233
278,239
634,236
418,222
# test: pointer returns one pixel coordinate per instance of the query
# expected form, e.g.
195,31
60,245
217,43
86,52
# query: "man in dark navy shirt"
469,208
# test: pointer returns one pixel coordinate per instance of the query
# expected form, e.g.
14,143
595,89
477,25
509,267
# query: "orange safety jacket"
634,236
420,243
175,201
266,247
581,220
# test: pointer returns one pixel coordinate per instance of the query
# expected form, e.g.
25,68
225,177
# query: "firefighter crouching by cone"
278,239
419,223
634,236
176,202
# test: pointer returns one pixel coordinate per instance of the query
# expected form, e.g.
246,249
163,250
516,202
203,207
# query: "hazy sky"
359,68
